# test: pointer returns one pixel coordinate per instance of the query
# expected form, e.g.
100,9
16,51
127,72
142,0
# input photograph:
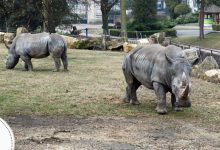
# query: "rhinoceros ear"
170,60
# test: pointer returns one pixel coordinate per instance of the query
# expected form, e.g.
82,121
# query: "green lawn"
211,40
93,86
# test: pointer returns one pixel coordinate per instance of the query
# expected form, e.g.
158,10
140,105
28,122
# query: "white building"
192,4
94,13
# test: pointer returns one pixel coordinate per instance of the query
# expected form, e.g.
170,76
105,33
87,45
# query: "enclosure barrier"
203,52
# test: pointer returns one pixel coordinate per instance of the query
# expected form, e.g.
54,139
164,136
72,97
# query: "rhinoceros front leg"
57,64
174,103
132,86
25,67
27,63
161,96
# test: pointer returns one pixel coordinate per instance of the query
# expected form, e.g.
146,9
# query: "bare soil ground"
83,109
114,133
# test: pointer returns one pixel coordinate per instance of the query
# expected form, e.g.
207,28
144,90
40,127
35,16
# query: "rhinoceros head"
11,61
180,80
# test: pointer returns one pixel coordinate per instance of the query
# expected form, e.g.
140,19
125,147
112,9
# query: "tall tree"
202,5
171,4
123,20
106,6
6,9
144,10
201,20
53,11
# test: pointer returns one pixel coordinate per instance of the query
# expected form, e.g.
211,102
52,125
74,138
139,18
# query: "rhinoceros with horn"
27,46
163,69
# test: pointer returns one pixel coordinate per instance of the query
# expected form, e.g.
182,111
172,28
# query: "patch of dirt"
115,133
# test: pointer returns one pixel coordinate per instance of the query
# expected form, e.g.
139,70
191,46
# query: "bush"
216,27
170,32
143,34
152,24
188,18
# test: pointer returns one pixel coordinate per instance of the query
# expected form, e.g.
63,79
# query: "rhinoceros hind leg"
133,85
161,96
57,64
64,60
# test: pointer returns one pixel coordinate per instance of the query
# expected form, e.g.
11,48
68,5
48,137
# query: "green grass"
94,86
211,40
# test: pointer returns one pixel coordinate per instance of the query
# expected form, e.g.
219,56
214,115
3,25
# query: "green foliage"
216,27
25,13
171,32
188,18
144,10
182,9
153,24
53,12
143,34
171,4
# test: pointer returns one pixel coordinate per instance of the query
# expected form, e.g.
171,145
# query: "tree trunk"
105,29
201,20
45,15
123,21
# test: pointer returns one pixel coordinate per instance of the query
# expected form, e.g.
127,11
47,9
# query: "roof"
212,9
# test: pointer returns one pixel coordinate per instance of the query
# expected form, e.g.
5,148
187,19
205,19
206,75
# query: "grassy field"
94,86
211,40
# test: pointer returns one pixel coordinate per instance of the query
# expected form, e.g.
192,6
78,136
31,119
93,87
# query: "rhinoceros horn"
184,84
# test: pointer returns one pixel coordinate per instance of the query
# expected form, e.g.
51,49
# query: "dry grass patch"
94,86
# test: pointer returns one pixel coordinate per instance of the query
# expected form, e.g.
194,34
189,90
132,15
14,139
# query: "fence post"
136,35
86,32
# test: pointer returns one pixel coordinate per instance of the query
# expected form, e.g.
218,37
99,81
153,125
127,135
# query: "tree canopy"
28,13
144,10
171,4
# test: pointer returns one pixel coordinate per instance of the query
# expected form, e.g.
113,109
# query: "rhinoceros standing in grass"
163,69
27,46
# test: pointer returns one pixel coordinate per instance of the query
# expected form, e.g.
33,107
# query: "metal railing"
203,52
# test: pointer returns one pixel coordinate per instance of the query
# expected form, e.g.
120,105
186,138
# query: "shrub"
170,32
216,27
153,24
143,34
188,18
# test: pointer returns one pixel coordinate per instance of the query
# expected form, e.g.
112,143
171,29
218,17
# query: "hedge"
142,34
216,27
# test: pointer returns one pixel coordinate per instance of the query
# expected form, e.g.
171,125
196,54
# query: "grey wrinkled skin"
162,69
27,46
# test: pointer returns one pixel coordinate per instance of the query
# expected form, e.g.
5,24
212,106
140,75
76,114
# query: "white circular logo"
6,136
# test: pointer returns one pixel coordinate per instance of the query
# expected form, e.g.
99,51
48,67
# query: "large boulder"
160,36
128,47
208,63
213,73
144,41
2,37
8,38
21,30
191,55
70,41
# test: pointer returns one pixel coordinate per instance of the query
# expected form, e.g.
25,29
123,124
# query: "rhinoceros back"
33,45
148,64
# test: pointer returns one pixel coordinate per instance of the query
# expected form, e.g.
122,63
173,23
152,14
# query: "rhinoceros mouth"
184,103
